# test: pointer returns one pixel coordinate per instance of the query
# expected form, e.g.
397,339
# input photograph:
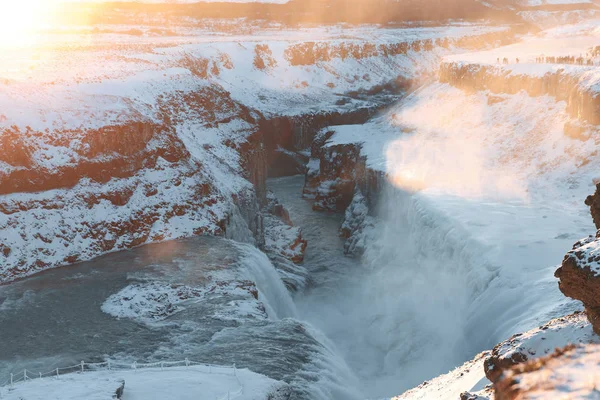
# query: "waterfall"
258,268
410,310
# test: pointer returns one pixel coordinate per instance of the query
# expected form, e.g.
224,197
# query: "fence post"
24,374
135,366
234,371
40,375
187,362
56,373
82,364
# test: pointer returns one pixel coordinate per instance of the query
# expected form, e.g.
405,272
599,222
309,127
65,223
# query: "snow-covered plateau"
243,208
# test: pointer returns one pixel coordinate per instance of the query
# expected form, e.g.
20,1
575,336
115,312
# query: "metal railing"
84,367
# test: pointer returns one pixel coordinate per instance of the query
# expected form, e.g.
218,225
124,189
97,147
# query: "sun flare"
20,20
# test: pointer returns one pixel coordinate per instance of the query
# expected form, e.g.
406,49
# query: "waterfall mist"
463,254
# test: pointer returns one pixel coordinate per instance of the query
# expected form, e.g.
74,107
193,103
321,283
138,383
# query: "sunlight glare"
21,19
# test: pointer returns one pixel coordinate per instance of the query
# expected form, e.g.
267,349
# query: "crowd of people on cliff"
565,60
555,60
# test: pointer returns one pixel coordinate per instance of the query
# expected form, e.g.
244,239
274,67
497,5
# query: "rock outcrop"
283,243
579,277
593,201
569,372
336,171
538,342
356,225
582,100
579,274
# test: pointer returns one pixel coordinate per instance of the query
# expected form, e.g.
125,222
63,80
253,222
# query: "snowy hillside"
151,130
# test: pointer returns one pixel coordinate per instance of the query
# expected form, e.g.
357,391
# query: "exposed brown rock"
569,372
507,388
579,277
593,201
495,364
538,342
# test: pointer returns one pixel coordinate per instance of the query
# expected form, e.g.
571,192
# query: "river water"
55,318
410,309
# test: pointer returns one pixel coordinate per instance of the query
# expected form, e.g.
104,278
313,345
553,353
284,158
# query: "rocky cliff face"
121,186
564,84
335,172
593,202
579,277
579,274
108,146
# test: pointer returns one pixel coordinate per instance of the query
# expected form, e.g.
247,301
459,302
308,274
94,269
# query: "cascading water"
467,261
398,317
260,270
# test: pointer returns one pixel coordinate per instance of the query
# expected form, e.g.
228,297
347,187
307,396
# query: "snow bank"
467,377
175,382
567,373
540,342
155,301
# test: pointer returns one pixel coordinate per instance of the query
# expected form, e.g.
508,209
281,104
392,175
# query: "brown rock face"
495,364
580,279
593,201
582,103
509,386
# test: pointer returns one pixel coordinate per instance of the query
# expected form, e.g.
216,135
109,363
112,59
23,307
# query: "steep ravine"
434,278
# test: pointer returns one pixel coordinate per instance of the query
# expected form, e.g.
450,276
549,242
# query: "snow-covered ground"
571,372
182,383
527,346
574,40
115,130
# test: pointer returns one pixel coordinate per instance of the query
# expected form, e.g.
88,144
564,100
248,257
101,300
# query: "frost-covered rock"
539,342
593,201
567,373
284,243
472,381
334,181
466,382
156,301
357,225
579,277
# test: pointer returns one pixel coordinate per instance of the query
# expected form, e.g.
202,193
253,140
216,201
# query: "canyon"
345,211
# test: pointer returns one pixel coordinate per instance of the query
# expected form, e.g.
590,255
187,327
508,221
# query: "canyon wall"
176,136
565,84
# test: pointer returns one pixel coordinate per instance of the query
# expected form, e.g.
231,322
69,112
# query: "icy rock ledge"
579,276
570,372
155,301
538,342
